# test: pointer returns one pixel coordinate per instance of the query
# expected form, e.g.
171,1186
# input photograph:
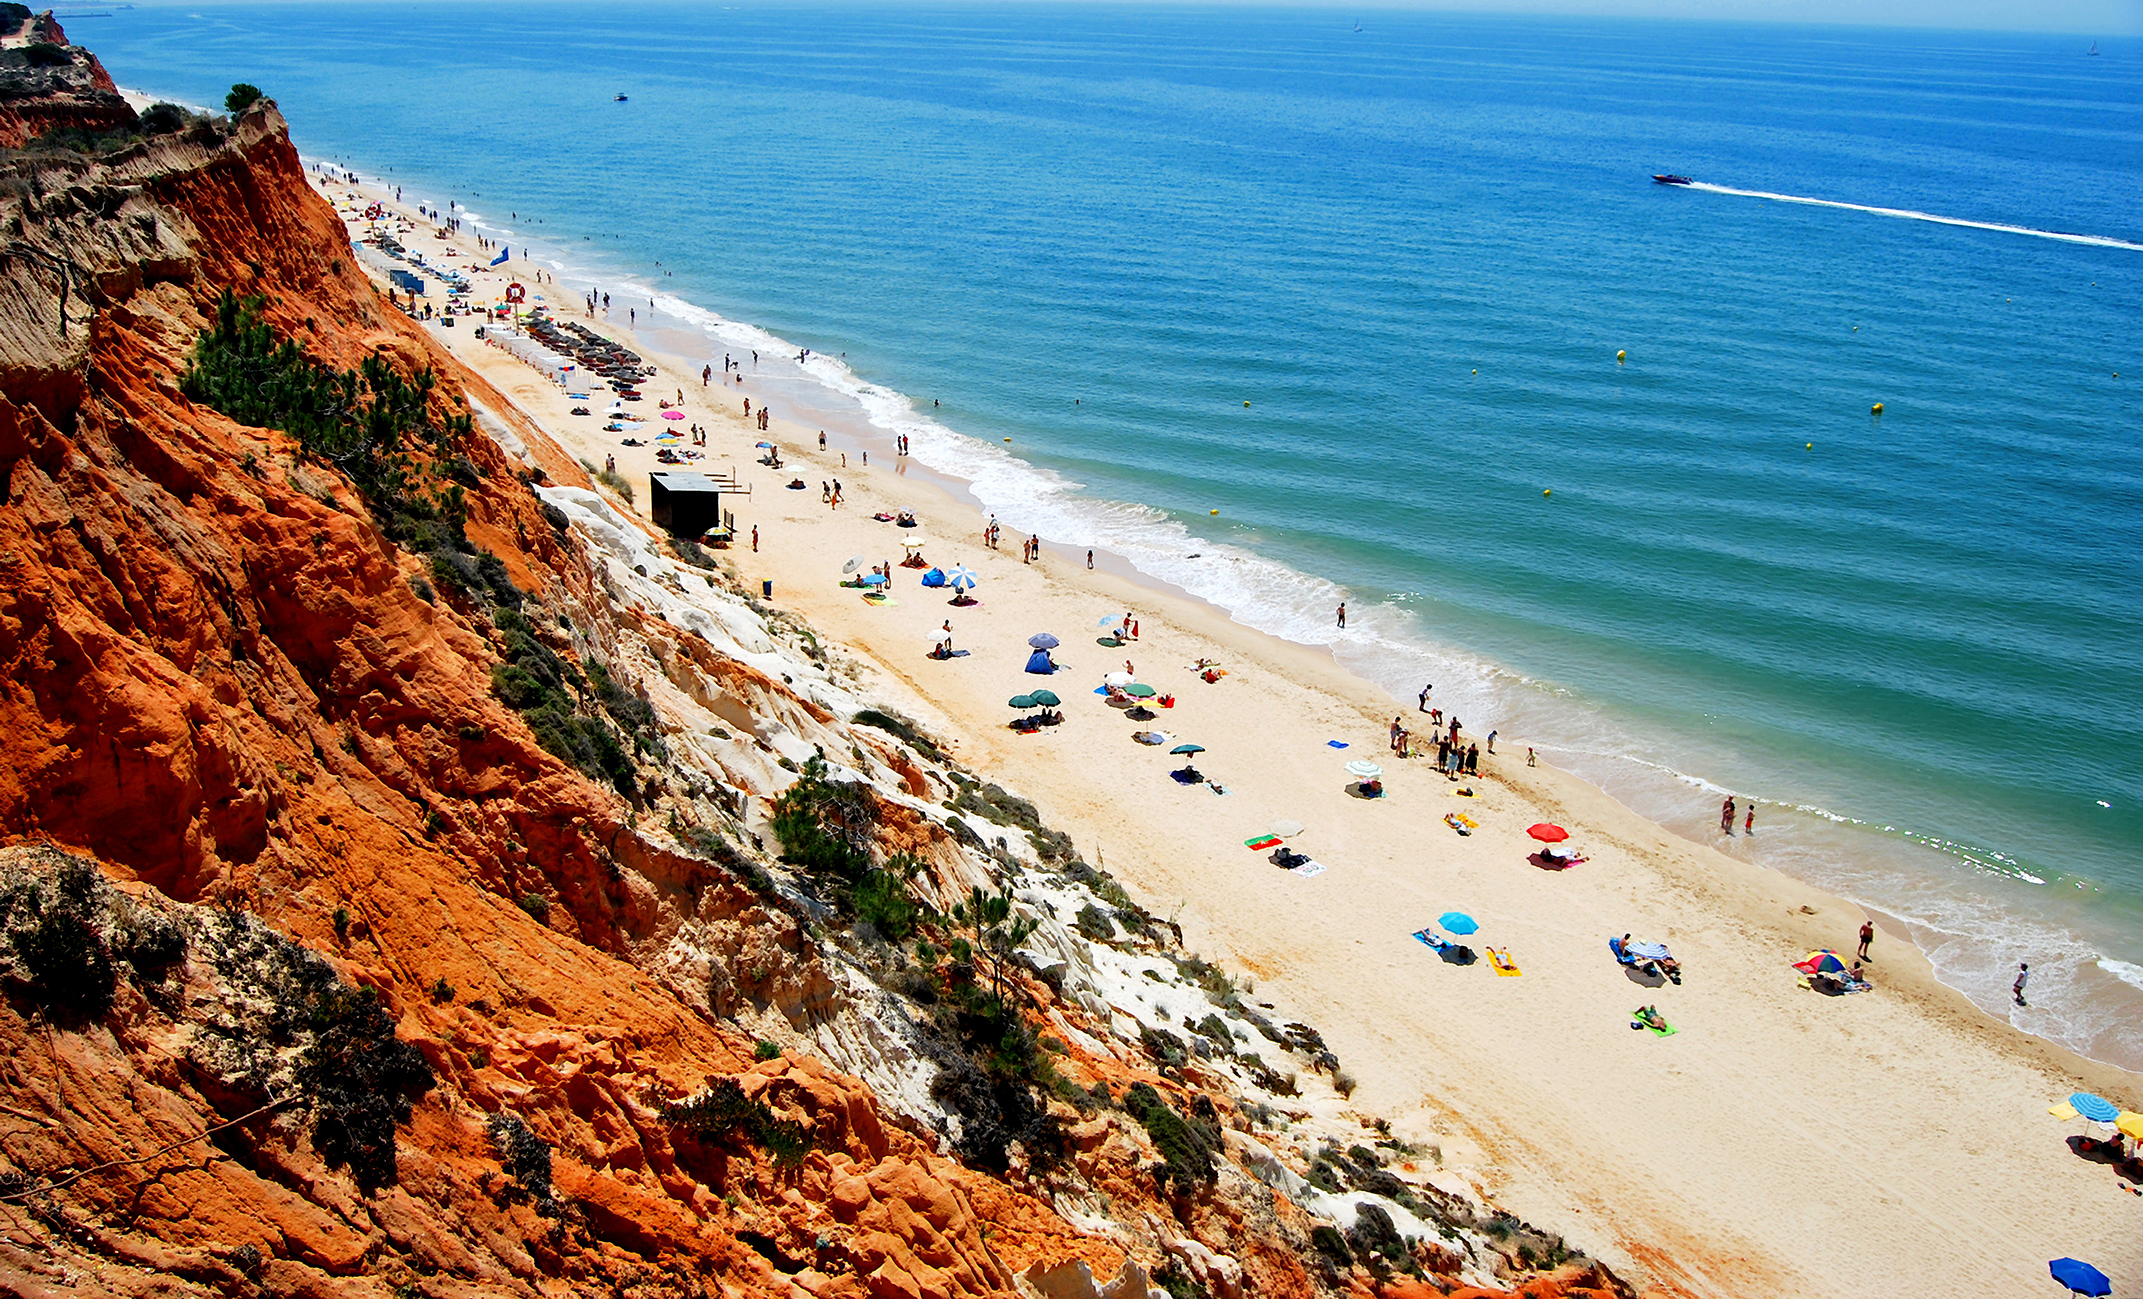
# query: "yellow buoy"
1212,511
1246,405
1476,371
1620,357
1008,439
1811,446
1876,409
1547,491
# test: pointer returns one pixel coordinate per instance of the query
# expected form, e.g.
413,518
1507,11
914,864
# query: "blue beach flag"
505,252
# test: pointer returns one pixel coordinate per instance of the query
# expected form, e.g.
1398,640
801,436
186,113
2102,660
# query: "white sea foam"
2132,975
2097,241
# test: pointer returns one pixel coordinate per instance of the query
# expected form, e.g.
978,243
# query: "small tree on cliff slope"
242,97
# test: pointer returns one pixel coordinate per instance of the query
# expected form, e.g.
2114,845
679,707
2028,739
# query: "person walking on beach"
706,372
2016,989
1089,559
1748,825
1726,815
755,538
1867,935
1491,741
1343,615
1425,696
1530,760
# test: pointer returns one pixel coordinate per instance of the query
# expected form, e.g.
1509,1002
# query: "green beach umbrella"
1140,690
1188,748
1021,701
1046,698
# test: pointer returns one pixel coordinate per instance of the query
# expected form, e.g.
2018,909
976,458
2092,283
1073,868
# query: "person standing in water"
1343,615
1726,815
1089,559
2016,989
1425,696
1748,826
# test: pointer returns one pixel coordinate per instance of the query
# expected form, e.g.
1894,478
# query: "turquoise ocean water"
1415,249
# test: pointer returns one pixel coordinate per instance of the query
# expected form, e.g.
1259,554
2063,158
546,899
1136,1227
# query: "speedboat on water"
1672,180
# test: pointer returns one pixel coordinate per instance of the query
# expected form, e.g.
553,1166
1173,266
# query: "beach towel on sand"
1502,961
1309,870
1263,841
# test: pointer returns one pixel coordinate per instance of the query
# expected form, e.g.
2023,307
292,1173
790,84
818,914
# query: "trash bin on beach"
766,588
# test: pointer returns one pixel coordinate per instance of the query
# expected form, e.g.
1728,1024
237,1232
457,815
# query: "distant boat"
2093,51
618,100
1358,27
1673,180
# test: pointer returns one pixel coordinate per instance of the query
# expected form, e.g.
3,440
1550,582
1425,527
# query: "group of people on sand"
1452,758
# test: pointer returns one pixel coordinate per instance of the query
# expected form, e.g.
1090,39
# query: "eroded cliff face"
271,817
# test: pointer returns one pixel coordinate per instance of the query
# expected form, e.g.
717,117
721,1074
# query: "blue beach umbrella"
1458,922
2095,1108
960,579
872,579
2080,1277
1043,640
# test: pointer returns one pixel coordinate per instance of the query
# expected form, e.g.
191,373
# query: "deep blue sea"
1414,245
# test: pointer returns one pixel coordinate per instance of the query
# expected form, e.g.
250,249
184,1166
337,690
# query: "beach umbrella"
940,636
673,414
764,445
1107,620
1043,640
1188,748
1825,961
1021,701
1365,770
961,578
2095,1108
913,543
1548,833
2079,1277
872,579
1116,679
854,562
1140,690
1650,951
1458,922
1046,698
1286,829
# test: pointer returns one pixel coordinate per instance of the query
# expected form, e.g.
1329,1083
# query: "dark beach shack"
689,505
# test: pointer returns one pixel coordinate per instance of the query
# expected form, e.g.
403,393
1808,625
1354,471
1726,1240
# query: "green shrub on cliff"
723,1113
242,97
534,681
1187,1146
370,423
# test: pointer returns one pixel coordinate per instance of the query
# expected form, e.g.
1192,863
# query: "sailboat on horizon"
2093,51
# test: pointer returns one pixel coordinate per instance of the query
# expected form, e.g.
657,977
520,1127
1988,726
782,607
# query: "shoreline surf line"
1148,548
1908,214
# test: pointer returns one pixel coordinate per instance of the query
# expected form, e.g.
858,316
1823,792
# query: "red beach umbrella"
1548,833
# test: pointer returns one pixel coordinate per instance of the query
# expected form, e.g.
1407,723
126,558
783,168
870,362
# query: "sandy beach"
1780,1142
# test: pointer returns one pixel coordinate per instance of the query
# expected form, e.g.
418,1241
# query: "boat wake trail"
2098,241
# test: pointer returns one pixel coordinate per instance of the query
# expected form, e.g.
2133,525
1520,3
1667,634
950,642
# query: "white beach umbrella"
1117,679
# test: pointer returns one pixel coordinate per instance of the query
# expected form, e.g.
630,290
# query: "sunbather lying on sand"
1648,1017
